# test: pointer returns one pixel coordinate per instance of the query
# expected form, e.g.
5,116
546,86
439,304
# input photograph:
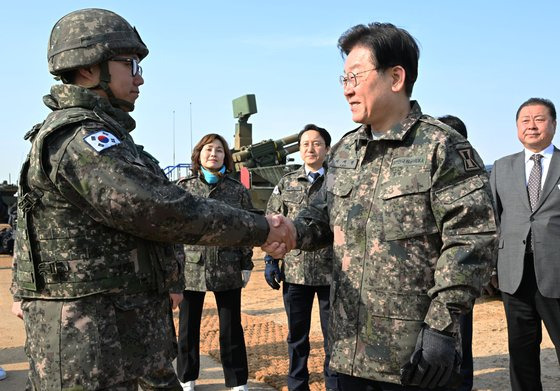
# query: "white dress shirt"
321,172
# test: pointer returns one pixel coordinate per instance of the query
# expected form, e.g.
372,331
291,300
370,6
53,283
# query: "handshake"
281,237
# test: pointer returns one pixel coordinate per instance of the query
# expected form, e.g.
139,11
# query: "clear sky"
479,60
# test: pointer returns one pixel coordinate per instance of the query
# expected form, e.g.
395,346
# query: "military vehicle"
7,200
259,166
7,192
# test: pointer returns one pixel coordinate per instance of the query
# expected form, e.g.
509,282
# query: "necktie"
314,176
534,190
534,183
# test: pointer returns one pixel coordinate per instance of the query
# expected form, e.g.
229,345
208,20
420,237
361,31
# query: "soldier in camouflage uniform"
222,270
91,266
406,203
304,273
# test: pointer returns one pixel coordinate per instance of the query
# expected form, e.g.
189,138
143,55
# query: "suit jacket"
516,219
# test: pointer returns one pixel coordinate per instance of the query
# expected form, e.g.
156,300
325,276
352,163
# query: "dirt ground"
265,328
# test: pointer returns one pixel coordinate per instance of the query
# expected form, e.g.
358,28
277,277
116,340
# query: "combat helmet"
92,36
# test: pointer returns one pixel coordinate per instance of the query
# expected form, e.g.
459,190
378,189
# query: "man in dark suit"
526,188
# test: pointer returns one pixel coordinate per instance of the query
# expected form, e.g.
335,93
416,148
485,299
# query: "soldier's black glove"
434,363
272,273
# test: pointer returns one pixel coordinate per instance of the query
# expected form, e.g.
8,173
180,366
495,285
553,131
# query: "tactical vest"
60,251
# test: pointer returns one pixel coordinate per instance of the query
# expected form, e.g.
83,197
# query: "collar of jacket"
301,175
397,132
64,96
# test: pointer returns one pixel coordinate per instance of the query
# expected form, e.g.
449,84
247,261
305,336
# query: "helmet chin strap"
104,80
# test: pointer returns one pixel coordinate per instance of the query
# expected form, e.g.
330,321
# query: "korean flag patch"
101,140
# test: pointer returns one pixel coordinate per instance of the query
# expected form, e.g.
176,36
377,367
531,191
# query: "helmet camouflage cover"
90,36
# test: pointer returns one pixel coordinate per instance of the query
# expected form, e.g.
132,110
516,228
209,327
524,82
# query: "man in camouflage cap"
407,205
92,269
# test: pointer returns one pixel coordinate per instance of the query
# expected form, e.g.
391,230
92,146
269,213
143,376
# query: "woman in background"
222,270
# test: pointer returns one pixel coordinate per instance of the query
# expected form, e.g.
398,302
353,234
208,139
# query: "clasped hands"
281,237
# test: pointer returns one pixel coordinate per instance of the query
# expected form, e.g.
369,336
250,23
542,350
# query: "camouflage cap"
90,36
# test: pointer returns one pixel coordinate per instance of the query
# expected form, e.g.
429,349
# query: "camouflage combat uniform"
216,269
292,194
414,234
306,274
89,260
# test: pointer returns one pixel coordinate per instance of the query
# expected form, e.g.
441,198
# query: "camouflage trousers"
99,342
160,380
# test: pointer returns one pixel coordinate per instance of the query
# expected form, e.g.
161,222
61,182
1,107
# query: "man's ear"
398,76
88,77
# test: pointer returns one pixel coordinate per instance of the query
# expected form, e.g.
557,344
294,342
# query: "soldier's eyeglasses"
135,68
352,78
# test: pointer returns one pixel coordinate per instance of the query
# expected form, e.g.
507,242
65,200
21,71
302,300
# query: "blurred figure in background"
222,270
305,273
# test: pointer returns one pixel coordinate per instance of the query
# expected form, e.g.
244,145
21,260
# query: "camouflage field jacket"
290,196
93,215
217,268
414,234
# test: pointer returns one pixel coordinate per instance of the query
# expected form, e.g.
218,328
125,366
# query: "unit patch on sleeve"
468,159
101,140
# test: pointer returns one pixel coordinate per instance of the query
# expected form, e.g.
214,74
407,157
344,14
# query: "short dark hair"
389,45
195,158
538,101
323,132
455,123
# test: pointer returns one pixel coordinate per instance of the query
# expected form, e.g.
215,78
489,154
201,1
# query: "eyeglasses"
135,68
352,78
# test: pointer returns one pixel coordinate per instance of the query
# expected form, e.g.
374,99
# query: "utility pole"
174,140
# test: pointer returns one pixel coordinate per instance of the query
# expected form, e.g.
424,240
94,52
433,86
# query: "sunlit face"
312,149
370,98
212,155
535,127
123,85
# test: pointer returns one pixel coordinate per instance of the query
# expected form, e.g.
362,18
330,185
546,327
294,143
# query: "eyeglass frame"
344,79
135,68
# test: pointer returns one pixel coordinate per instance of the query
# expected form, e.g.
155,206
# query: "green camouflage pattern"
414,231
92,261
290,196
90,36
217,268
97,341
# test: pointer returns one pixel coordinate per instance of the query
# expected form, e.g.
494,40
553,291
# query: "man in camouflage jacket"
91,266
305,273
408,207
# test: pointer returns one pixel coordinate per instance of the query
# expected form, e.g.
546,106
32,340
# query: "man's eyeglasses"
352,78
135,68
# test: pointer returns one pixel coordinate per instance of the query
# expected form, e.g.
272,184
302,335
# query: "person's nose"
532,124
138,79
348,89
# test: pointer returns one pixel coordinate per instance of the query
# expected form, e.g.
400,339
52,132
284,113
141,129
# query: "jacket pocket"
230,255
193,256
407,208
293,195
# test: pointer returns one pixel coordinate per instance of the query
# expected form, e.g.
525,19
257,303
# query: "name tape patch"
408,161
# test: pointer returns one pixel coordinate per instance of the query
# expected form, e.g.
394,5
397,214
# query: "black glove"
434,363
272,273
